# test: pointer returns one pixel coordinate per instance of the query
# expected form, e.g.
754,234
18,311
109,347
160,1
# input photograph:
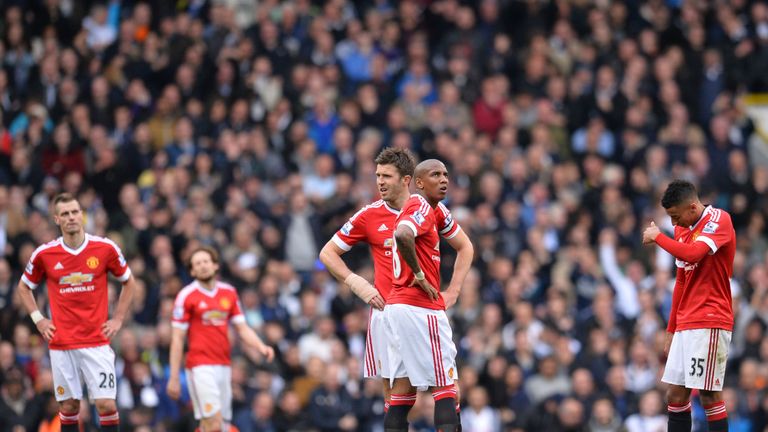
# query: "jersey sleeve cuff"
29,283
340,243
180,325
238,319
125,275
709,242
453,234
410,225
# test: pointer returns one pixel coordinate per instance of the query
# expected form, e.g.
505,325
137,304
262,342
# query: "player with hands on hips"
701,319
422,354
74,268
203,310
374,225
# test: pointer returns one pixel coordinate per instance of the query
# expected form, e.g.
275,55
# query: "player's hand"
650,233
450,297
667,343
267,351
425,286
378,302
173,388
46,328
111,327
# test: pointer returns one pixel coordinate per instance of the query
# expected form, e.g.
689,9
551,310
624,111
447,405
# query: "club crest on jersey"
710,227
92,262
418,217
347,228
694,236
76,278
225,303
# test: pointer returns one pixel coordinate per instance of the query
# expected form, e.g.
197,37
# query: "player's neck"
432,203
74,241
210,284
399,202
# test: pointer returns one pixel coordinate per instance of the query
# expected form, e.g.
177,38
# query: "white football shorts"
94,366
210,387
376,341
697,359
420,346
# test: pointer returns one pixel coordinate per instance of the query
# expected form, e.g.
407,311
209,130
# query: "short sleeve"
236,313
352,232
717,232
34,272
117,264
446,225
182,312
416,215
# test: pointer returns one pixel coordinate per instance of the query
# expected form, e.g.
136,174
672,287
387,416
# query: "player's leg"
97,366
402,399
444,358
205,392
376,354
225,385
401,393
714,376
678,396
68,389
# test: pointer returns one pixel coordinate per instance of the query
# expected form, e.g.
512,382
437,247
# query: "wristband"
36,316
419,276
360,287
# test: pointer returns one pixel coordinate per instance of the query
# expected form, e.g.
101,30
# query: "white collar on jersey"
74,251
706,211
391,209
206,291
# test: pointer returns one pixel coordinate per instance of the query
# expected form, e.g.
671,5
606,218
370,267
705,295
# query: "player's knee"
677,394
69,406
710,397
105,405
211,424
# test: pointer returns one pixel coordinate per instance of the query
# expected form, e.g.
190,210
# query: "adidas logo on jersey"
58,266
202,305
383,227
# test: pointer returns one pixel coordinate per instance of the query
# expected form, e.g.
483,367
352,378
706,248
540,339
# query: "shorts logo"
717,382
710,228
347,228
225,303
418,217
208,407
92,262
60,390
450,373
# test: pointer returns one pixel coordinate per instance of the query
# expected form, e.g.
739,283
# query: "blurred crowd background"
252,126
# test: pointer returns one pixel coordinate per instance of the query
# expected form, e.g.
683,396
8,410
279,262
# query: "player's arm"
112,326
691,253
44,325
405,238
250,338
465,253
330,256
677,295
178,334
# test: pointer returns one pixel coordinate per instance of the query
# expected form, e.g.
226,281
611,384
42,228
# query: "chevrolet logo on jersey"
214,317
76,278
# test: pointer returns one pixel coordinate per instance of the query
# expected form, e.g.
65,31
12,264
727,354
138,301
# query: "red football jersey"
206,314
373,224
428,224
706,300
77,287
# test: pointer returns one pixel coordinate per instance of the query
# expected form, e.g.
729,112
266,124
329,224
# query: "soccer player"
421,351
701,320
205,308
373,225
74,267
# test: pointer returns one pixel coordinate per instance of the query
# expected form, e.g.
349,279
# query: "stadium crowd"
252,126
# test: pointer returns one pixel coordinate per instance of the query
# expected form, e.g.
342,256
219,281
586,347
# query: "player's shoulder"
185,292
419,202
718,215
225,287
99,241
48,247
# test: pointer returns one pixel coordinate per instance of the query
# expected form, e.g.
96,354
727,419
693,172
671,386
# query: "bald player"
422,354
